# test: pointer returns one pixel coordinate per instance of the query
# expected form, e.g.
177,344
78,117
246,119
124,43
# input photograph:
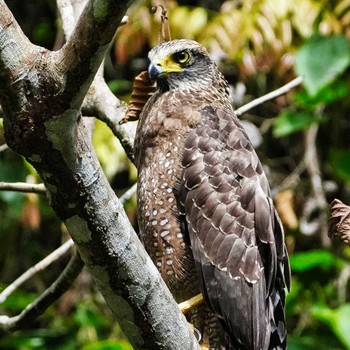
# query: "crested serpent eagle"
205,211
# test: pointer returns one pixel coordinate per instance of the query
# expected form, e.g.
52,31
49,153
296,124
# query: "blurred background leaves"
259,45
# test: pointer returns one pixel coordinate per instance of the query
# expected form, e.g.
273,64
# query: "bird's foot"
191,303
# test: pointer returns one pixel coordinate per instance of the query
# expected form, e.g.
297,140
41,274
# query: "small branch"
128,194
22,187
40,266
65,8
342,284
87,43
4,147
273,94
55,291
51,258
313,168
291,180
101,103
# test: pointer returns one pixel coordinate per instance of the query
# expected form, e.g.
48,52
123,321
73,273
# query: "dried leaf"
31,217
339,222
142,90
164,31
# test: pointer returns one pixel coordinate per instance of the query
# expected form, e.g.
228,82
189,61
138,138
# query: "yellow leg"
191,303
188,305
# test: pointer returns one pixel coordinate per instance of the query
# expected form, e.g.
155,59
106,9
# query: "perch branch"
66,10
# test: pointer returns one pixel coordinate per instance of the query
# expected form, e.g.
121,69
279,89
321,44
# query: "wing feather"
236,236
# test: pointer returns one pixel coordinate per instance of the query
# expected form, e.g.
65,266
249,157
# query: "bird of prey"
205,211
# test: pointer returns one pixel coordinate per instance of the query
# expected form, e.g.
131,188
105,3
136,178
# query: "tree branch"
41,95
273,94
40,266
55,291
313,168
128,194
51,258
3,147
84,50
102,104
22,187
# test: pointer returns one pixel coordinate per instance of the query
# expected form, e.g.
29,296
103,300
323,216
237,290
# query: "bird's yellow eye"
182,57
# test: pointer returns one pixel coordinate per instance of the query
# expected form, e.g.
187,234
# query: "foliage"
321,60
262,44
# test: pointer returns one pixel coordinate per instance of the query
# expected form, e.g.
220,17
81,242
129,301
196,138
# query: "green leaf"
196,21
339,159
88,317
305,261
313,341
328,94
337,319
292,121
118,86
321,60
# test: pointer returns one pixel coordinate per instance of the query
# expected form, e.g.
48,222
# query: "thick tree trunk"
41,93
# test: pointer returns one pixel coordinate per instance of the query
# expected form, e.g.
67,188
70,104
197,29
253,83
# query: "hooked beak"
161,67
154,71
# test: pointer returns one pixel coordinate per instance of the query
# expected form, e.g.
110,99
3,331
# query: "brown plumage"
205,213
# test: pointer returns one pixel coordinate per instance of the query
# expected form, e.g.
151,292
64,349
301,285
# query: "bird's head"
181,64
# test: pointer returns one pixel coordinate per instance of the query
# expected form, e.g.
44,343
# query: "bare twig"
102,104
3,147
65,7
342,284
273,94
51,258
22,187
291,180
313,168
128,194
51,294
40,266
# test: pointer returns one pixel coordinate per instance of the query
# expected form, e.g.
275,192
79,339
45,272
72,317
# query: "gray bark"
41,93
